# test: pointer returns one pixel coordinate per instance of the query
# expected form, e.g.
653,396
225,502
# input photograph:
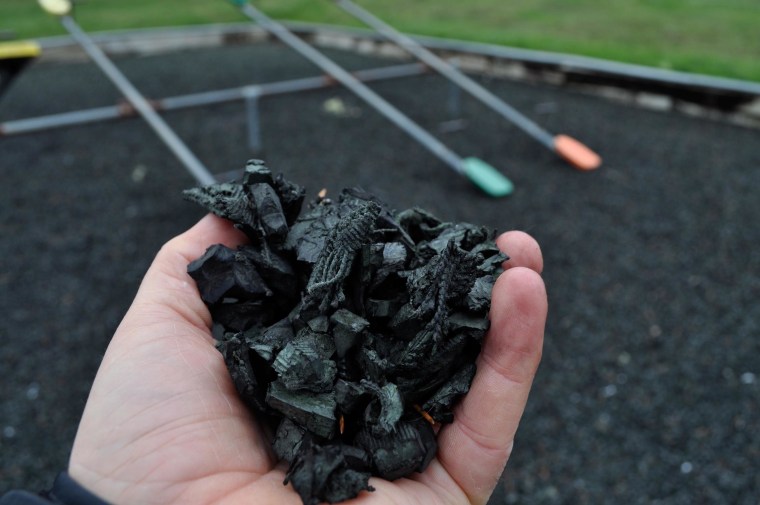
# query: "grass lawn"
719,37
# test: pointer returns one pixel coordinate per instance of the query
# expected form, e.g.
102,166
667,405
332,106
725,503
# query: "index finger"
475,448
523,250
167,285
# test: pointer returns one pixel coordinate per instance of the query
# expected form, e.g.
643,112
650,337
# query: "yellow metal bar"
19,49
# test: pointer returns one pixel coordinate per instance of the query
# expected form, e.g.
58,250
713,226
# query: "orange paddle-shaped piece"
577,154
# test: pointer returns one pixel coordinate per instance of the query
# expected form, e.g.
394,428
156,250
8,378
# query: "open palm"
163,423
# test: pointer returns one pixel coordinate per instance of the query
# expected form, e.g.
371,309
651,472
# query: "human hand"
163,423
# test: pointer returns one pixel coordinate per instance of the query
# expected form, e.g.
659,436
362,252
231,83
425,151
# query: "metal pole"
576,154
439,65
193,165
33,124
254,122
345,78
289,86
29,125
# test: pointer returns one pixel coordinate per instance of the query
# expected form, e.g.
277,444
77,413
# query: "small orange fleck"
341,424
424,414
322,193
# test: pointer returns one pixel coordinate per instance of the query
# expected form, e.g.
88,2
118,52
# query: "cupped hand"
163,423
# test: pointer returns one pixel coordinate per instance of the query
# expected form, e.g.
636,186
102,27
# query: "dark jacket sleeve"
65,491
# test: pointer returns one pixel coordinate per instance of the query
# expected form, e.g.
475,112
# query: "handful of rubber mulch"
349,329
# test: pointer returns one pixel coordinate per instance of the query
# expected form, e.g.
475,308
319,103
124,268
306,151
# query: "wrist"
69,491
65,491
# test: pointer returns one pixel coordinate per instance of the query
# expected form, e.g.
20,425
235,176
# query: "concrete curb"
698,95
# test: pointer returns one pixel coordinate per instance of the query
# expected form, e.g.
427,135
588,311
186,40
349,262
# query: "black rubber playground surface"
649,391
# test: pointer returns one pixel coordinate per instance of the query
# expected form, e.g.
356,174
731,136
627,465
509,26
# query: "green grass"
719,37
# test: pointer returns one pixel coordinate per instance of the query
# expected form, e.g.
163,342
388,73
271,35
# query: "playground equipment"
251,94
62,9
483,175
565,146
479,172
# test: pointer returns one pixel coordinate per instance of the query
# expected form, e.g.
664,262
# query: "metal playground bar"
483,175
568,148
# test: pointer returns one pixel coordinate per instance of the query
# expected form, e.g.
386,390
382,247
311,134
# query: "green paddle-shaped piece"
487,178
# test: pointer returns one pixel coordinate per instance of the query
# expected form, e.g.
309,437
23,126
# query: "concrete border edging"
698,95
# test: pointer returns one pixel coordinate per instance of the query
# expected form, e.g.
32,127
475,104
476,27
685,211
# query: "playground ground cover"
649,390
